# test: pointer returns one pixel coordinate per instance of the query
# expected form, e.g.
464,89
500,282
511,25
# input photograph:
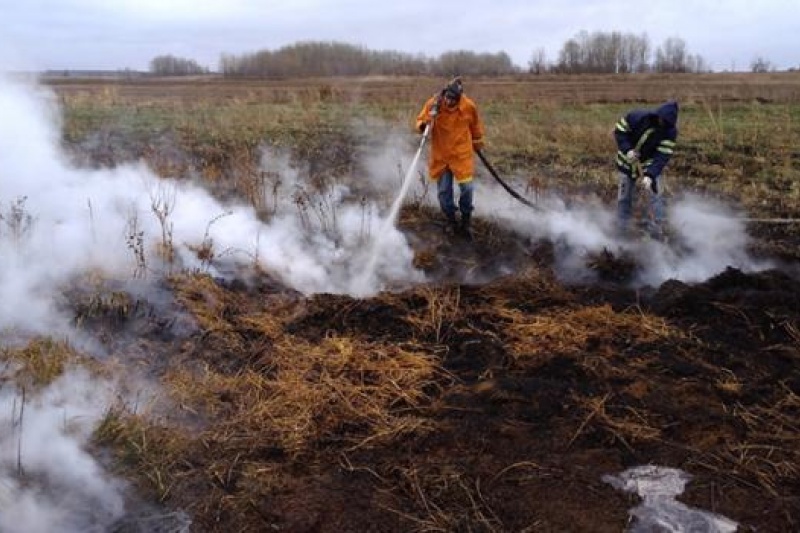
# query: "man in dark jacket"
645,143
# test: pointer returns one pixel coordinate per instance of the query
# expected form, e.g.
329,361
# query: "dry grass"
768,459
624,424
208,302
734,141
589,330
145,451
242,425
436,317
40,362
341,393
442,499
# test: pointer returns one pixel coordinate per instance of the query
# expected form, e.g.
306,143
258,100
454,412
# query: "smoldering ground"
61,222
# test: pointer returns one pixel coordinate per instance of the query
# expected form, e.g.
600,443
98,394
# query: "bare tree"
569,58
671,56
761,64
601,52
470,63
696,63
635,53
538,62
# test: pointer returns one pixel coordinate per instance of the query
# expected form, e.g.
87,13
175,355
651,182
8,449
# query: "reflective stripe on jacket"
639,130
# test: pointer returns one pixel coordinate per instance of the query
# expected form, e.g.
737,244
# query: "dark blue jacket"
650,132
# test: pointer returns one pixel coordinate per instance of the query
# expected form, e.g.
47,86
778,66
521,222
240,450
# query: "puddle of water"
660,511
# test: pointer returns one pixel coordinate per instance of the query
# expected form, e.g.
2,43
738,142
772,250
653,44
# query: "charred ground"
467,407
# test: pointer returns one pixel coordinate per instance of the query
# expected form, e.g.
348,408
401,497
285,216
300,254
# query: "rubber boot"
465,226
451,226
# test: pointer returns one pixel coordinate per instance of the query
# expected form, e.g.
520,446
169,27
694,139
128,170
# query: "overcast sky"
114,34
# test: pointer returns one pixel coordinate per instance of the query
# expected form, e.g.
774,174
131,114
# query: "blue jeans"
626,197
444,187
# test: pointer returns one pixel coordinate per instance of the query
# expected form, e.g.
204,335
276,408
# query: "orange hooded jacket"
457,131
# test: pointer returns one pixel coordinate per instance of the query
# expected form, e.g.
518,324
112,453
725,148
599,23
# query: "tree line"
342,59
169,65
596,53
616,52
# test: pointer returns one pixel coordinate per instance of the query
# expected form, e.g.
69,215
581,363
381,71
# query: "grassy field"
737,131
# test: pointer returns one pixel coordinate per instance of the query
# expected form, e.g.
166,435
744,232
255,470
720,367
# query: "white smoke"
48,481
711,237
59,221
707,236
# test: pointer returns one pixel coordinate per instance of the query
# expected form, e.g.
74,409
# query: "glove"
647,183
477,145
422,127
632,155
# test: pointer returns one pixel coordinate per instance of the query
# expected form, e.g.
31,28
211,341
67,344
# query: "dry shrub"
103,304
436,317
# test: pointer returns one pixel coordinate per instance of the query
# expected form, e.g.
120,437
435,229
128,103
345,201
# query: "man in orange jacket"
456,132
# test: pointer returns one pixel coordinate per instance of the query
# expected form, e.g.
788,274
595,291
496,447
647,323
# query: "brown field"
453,406
779,87
737,130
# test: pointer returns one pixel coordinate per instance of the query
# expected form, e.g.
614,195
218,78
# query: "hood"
668,112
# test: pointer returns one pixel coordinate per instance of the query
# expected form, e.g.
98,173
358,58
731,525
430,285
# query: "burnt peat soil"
455,406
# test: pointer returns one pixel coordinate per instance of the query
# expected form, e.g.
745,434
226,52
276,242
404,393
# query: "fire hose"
507,187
